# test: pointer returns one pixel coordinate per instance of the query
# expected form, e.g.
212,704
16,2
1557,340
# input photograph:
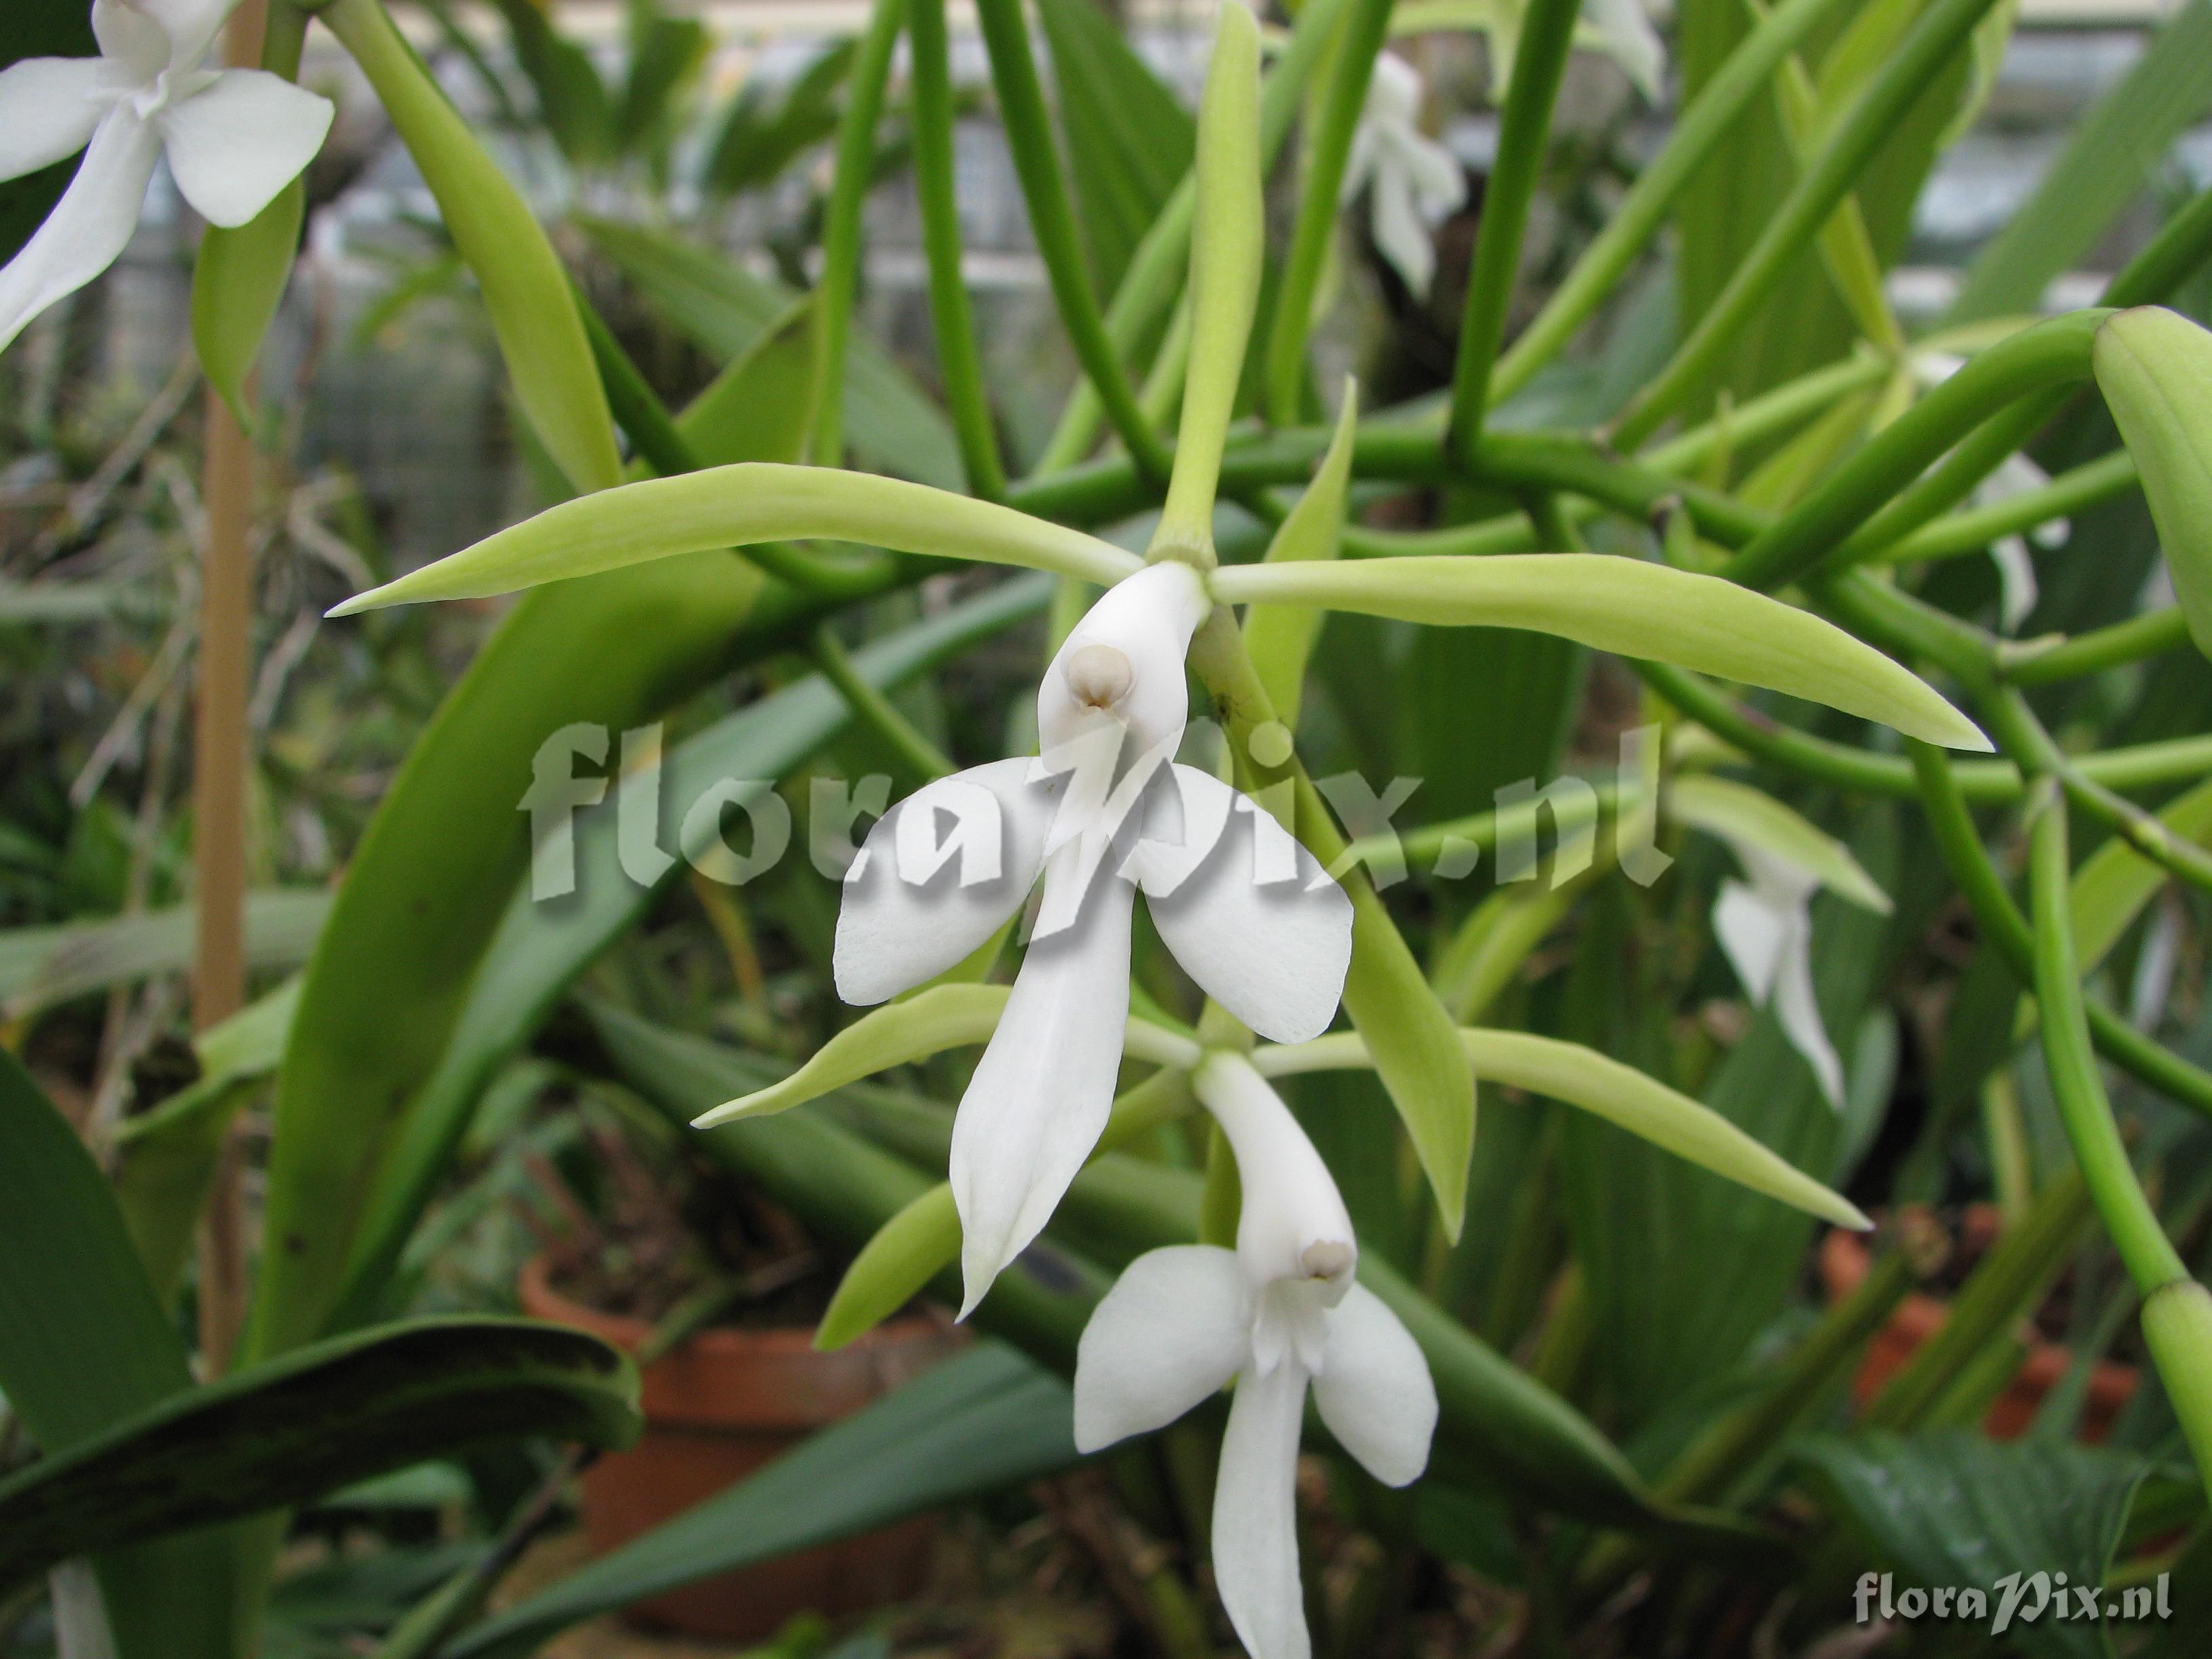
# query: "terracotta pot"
715,1410
1844,1260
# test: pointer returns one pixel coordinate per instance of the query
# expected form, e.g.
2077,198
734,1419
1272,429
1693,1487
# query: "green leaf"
733,505
238,283
1740,814
724,308
540,949
40,966
1581,1077
572,100
916,1245
761,135
756,409
2112,885
430,882
1956,1510
982,1421
665,54
525,292
84,1344
1129,143
1629,607
2111,157
2154,368
1280,638
318,1419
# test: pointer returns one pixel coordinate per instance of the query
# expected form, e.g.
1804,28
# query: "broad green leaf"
431,879
238,283
1129,143
1280,638
893,426
1584,1077
318,1419
1956,1510
733,506
976,1424
1740,814
84,1344
525,292
916,1245
1632,608
898,1033
756,409
2112,156
2154,368
540,949
40,966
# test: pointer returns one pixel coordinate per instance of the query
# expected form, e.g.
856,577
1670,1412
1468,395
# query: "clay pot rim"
629,1334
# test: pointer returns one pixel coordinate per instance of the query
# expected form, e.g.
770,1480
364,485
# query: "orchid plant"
1146,1185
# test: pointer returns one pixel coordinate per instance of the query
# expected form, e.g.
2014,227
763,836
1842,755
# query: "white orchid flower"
1765,930
1414,182
1280,1314
1251,918
2016,474
233,138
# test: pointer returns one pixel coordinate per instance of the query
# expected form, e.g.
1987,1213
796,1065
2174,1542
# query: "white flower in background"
2016,474
1621,29
1252,919
1765,929
1280,1314
233,138
1415,182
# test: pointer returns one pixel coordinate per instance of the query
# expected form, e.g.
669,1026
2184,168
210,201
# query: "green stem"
1524,128
1328,147
2053,353
958,362
1863,128
1052,221
841,228
876,711
1972,531
2152,635
1596,275
2169,259
2079,1092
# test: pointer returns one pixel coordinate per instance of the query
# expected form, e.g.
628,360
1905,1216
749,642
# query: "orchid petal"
2016,585
1374,1390
1172,1331
1799,1009
49,108
234,144
1630,41
1273,951
189,26
1042,1093
914,904
1753,935
130,37
1293,1224
1256,1535
88,228
1402,236
1439,182
1147,618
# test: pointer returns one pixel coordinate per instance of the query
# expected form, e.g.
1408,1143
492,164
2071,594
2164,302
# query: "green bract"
733,506
1632,609
2155,370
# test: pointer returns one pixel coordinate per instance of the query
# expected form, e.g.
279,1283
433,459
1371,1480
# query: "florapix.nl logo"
2016,1600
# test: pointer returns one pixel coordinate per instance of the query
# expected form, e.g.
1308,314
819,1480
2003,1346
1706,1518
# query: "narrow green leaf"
908,1251
755,409
525,292
978,1423
733,506
238,283
1602,1086
572,100
2154,368
1281,638
318,1419
1739,813
40,966
1629,607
